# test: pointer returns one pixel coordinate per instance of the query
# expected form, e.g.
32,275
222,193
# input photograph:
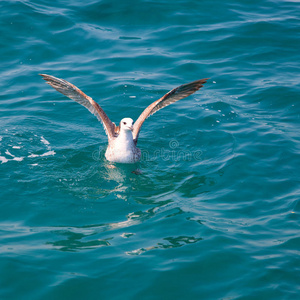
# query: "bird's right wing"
74,93
169,98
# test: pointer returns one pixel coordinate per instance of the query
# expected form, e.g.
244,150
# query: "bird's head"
126,124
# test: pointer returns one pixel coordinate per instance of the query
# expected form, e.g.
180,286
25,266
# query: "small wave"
11,154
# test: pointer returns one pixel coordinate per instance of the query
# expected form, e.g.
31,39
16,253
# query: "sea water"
211,211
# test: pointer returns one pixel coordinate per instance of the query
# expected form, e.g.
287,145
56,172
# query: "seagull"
122,139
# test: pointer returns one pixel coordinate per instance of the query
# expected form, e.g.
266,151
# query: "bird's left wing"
74,93
169,98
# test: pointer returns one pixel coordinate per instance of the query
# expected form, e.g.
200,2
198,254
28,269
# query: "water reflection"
169,242
78,238
74,242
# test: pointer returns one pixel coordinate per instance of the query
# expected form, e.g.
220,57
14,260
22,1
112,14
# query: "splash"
12,154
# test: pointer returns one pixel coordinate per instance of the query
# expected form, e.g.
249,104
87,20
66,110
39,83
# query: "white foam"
18,158
8,153
3,159
48,153
44,141
44,154
11,157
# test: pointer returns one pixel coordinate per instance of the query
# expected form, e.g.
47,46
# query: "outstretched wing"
169,98
77,95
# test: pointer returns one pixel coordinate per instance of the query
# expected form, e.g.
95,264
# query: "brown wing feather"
169,98
74,93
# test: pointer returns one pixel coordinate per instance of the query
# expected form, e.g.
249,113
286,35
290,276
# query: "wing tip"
46,77
201,81
204,80
195,85
55,82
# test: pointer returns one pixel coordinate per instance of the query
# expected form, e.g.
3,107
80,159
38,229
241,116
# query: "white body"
122,149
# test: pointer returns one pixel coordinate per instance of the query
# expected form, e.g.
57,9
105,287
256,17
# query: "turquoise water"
212,210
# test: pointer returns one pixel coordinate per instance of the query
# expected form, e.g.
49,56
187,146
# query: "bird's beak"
131,128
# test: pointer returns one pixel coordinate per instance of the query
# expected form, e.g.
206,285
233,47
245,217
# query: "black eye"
124,123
